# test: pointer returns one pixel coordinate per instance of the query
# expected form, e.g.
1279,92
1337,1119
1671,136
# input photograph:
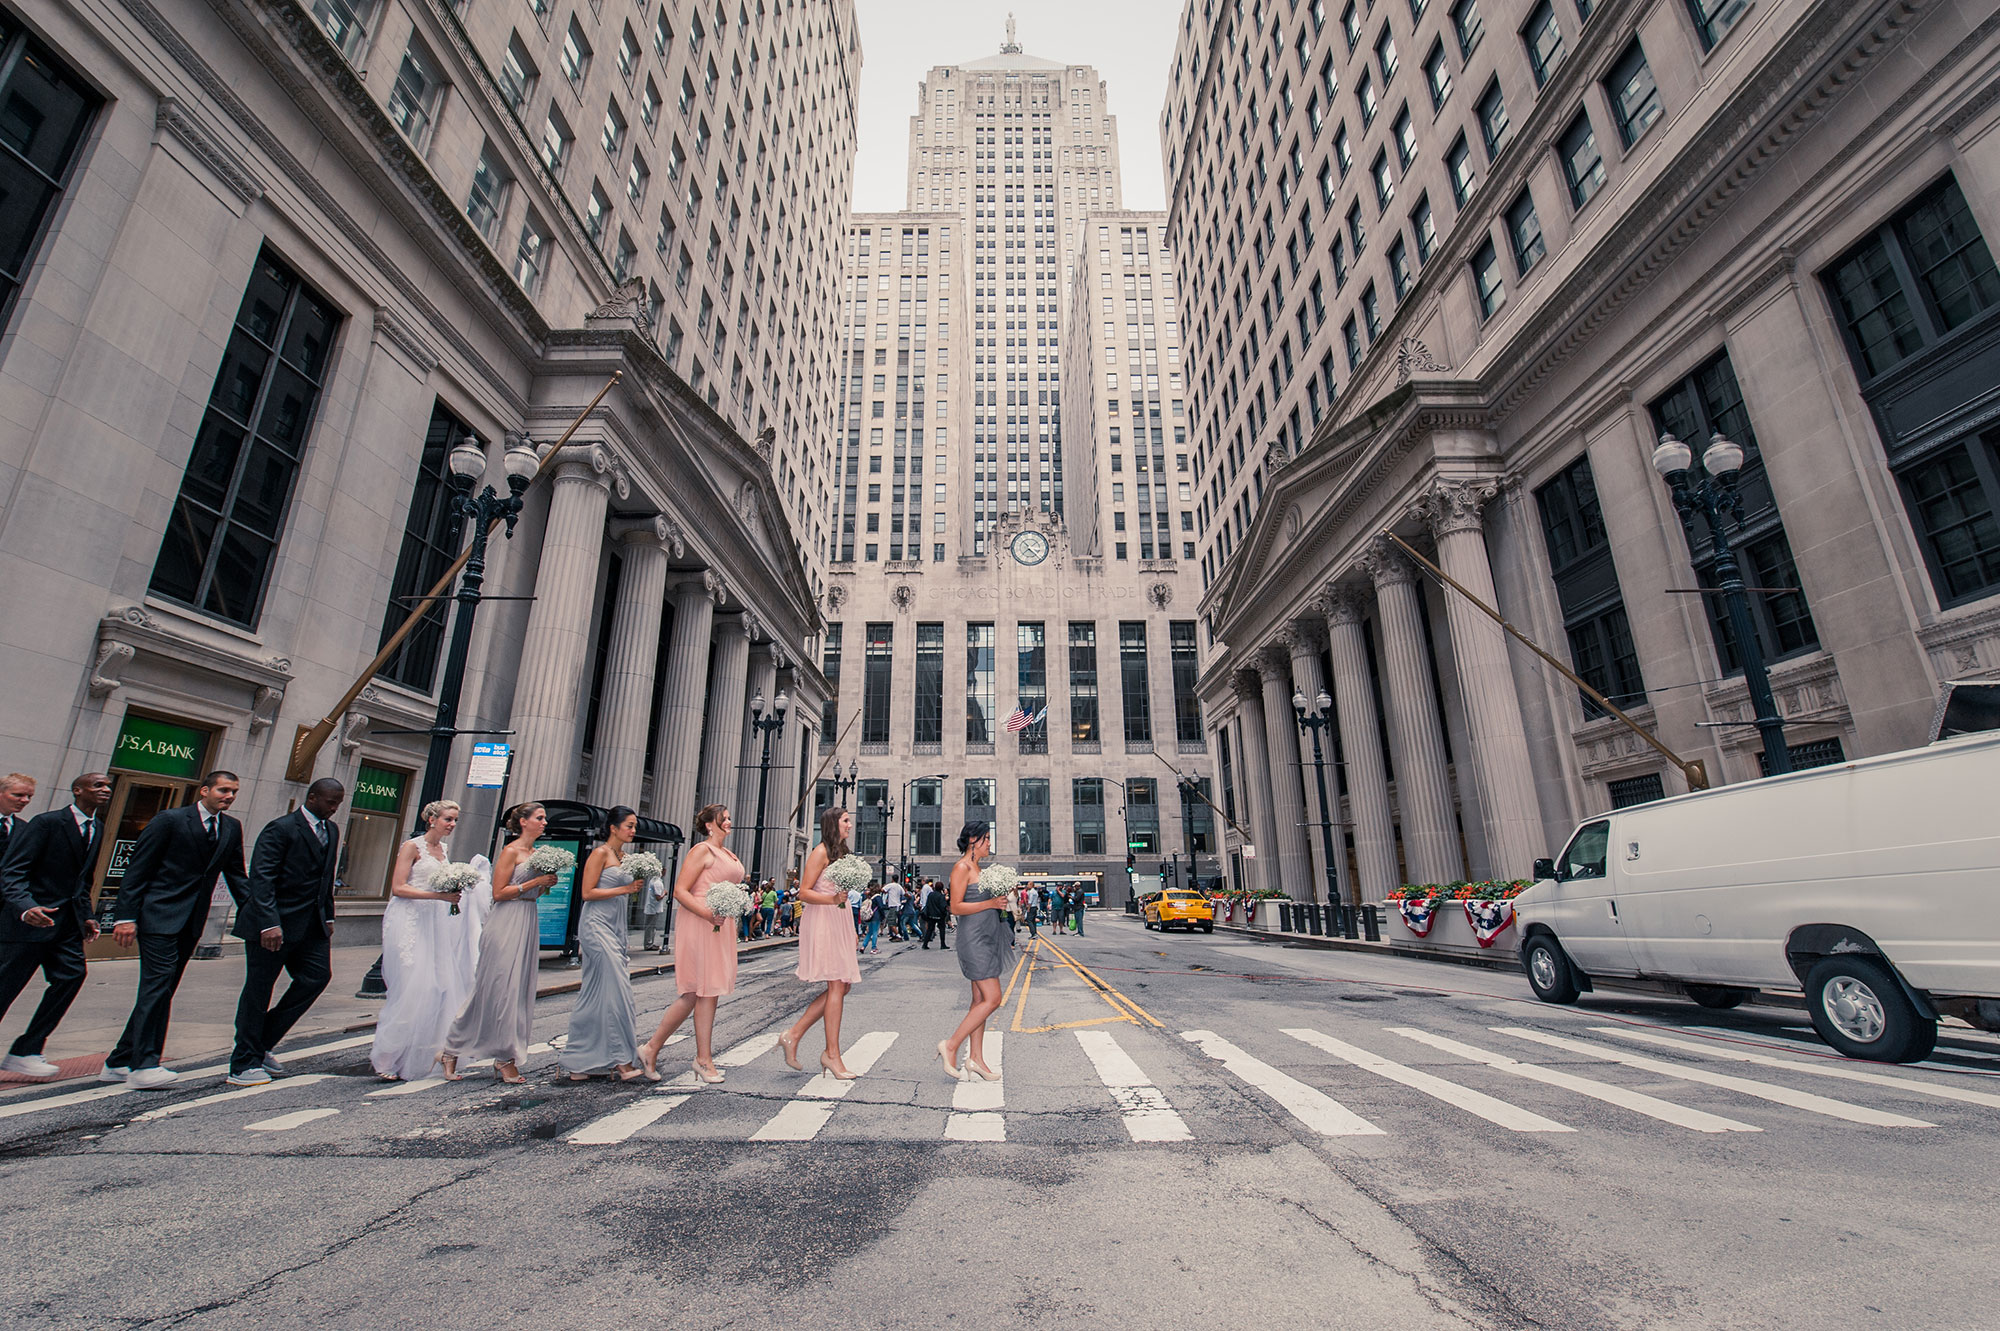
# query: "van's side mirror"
1544,869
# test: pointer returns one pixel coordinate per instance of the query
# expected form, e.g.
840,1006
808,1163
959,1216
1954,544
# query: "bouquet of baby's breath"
997,880
550,859
850,873
454,878
644,866
727,901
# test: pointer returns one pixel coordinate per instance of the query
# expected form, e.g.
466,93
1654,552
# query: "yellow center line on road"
1106,991
1024,973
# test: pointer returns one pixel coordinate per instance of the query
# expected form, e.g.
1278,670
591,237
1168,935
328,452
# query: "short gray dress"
602,1028
499,1019
983,939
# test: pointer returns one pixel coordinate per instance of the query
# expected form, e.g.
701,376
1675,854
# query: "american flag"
1023,718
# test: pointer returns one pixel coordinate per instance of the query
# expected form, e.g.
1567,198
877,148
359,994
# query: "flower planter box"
1450,934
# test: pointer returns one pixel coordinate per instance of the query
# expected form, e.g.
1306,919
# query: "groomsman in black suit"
162,908
16,791
285,919
45,913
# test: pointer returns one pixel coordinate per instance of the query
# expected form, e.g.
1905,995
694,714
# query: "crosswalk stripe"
1320,1112
1836,1070
297,1118
1148,1115
1816,1044
223,1097
1762,1090
975,1104
1495,1111
407,1087
1664,1110
615,1128
105,1091
801,1120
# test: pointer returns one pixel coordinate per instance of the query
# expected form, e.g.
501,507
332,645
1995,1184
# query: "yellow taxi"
1163,910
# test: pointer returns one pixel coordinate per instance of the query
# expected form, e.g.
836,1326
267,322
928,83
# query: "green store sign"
377,790
160,747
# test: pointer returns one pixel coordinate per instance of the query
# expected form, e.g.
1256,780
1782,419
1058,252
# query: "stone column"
762,682
728,716
1250,743
1430,834
1499,763
1302,642
677,743
1288,802
1361,746
548,694
619,768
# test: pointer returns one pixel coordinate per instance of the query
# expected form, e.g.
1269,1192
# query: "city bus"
1091,883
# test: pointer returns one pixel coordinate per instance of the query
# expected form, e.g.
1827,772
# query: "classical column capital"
1451,507
1302,637
594,462
733,625
1274,662
656,532
1249,685
1343,603
1386,564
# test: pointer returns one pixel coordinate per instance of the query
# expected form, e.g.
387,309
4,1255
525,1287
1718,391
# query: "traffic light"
1131,861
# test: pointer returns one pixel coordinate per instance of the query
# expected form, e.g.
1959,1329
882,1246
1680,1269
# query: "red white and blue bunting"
1419,914
1489,919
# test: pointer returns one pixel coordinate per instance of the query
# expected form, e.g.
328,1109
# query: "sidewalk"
1507,961
205,1005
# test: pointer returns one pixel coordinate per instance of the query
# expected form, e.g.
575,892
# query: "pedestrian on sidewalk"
428,954
1076,907
285,920
162,909
934,912
653,912
1031,910
826,954
1058,909
498,1020
871,918
705,956
604,1022
767,908
45,919
906,917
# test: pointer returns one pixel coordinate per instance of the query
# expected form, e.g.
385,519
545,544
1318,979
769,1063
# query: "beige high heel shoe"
711,1077
950,1070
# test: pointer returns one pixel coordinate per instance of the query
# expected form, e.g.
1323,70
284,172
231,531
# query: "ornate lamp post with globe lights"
1715,496
771,725
1315,717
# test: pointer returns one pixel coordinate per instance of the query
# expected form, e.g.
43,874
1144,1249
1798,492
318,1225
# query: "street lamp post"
1315,721
1190,792
464,466
845,785
888,808
1715,497
771,725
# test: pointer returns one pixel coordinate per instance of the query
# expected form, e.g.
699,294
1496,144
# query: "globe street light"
774,724
1715,496
1316,720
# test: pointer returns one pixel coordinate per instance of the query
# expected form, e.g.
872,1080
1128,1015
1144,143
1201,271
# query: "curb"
1373,949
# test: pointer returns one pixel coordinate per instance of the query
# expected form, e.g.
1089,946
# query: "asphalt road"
1189,1132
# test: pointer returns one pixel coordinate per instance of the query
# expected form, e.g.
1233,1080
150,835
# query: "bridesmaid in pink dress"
704,950
826,946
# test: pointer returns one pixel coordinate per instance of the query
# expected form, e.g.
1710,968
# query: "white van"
1873,887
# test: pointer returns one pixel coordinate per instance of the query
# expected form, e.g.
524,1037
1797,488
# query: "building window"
1706,403
345,23
1083,683
926,815
1033,793
1228,768
978,684
528,255
1458,164
1593,606
981,792
517,74
1635,99
1425,227
1437,75
1187,673
1493,119
1465,21
1486,278
871,819
414,97
1633,790
876,684
1142,816
1583,165
1406,139
556,138
1814,753
1031,682
1134,682
1952,495
1926,273
430,543
1713,18
829,658
1400,276
1086,797
929,722
223,530
1524,234
575,56
1350,335
1385,55
489,194
1544,41
1385,183
44,113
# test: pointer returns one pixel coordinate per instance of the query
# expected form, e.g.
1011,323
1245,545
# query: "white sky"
1130,42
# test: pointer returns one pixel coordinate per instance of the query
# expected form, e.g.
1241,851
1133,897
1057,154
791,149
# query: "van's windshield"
1587,852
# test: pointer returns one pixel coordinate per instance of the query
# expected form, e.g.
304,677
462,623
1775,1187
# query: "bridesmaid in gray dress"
603,1025
983,940
499,1019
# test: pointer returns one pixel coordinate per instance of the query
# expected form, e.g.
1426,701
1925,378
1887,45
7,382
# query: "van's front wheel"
1549,971
1858,1007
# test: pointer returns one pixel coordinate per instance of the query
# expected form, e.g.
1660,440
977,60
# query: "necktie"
208,826
322,833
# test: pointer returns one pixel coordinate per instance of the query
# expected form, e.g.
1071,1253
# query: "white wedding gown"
428,955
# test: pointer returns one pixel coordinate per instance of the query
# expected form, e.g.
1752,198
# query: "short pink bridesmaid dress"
704,956
826,944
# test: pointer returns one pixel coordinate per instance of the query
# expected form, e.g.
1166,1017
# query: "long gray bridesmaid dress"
603,1024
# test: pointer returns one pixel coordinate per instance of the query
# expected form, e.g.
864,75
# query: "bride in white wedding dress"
428,953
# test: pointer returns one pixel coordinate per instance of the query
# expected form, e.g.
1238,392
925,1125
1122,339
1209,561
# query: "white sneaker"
152,1079
111,1073
249,1077
28,1065
273,1066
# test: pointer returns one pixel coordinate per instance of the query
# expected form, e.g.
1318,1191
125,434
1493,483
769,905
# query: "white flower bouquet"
727,901
644,866
849,873
454,878
551,859
997,880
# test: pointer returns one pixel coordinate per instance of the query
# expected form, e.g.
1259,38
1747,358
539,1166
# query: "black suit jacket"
47,864
172,872
290,884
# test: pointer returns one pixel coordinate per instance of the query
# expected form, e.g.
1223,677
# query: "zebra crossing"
1139,1086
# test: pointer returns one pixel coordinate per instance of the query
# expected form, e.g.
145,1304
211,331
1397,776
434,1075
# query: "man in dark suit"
162,907
17,789
936,910
285,919
45,914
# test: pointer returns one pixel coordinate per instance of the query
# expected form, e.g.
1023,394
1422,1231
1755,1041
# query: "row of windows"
1139,810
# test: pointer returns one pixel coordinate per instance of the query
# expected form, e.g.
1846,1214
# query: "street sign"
489,766
1249,851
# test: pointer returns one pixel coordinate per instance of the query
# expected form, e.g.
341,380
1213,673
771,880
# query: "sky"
1130,42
